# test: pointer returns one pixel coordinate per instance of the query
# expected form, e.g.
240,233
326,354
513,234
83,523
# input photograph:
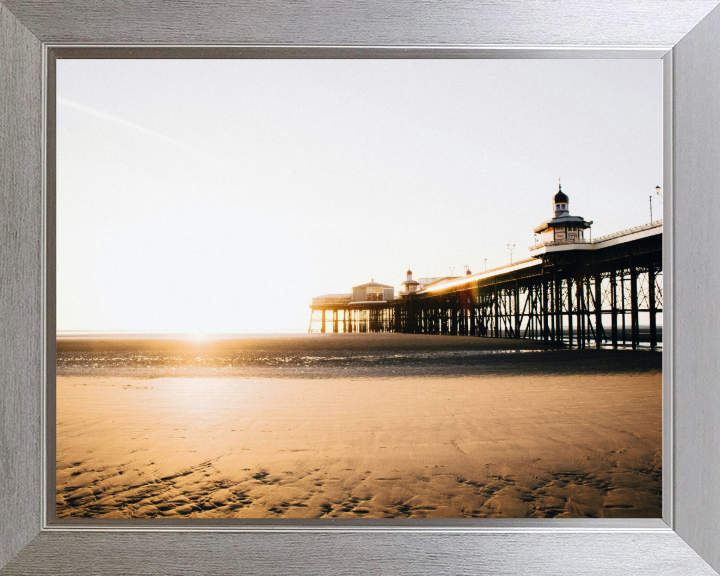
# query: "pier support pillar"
652,306
623,308
545,303
598,311
613,309
558,311
454,318
497,313
322,328
570,316
516,304
580,297
634,316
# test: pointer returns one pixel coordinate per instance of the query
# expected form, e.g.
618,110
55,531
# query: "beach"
355,426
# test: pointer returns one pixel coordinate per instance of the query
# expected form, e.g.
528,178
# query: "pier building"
358,311
572,291
372,292
409,284
562,226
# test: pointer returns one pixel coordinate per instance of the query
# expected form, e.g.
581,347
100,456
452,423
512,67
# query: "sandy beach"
358,425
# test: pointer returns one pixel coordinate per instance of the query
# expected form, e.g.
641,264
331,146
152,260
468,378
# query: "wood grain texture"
20,284
374,22
71,554
697,277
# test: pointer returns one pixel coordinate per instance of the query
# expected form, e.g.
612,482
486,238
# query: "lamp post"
485,264
511,248
657,193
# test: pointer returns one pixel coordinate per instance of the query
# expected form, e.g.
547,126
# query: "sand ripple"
514,444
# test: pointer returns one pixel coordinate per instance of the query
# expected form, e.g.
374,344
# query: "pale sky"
222,195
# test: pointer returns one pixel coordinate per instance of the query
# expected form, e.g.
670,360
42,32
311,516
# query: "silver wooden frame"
685,33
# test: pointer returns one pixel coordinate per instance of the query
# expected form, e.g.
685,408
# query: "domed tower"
561,203
410,284
562,227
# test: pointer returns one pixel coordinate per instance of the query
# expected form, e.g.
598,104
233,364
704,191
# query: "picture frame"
685,33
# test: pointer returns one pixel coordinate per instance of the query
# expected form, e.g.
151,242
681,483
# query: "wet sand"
446,429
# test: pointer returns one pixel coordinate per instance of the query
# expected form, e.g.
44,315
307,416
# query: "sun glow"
200,337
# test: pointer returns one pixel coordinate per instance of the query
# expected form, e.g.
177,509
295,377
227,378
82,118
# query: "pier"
573,291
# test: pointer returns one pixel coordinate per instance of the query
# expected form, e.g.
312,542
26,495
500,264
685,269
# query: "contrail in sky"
137,127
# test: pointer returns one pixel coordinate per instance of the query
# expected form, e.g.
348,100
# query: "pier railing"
560,243
647,226
601,239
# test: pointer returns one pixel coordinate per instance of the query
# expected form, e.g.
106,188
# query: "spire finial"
559,185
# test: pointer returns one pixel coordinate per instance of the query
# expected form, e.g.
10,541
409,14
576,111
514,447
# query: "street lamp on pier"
657,193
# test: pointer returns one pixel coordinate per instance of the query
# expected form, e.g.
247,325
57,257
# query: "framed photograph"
193,383
102,472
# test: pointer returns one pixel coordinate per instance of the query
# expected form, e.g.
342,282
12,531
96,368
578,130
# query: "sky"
207,196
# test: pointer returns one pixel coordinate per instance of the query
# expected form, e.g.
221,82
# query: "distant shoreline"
301,341
121,334
380,355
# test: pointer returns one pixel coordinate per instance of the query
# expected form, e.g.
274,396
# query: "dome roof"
409,272
560,196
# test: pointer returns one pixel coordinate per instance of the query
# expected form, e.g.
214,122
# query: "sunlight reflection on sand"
512,444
